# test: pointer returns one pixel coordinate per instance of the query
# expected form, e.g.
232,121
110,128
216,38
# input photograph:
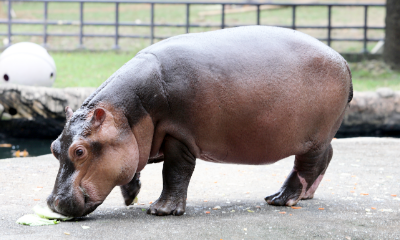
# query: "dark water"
35,147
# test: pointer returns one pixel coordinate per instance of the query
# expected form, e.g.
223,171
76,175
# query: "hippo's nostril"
56,202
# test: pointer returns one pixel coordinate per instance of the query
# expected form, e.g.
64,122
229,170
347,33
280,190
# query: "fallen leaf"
150,202
321,208
217,208
5,145
393,195
66,233
215,182
364,194
296,207
290,214
143,209
250,210
85,227
208,212
373,208
282,212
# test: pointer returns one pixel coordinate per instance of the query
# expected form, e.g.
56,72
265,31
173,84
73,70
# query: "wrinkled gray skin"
248,95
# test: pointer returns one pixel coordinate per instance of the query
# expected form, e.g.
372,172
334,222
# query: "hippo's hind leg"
178,167
304,179
131,190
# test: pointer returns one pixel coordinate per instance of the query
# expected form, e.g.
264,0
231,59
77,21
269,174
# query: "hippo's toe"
284,198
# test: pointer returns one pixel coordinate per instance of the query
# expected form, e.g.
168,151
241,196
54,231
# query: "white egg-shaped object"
27,63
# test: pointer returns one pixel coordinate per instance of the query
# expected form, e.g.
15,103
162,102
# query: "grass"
91,69
86,69
166,13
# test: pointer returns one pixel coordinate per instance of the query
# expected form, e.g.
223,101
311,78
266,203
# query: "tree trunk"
391,53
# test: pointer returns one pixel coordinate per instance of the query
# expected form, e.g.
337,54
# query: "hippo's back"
260,93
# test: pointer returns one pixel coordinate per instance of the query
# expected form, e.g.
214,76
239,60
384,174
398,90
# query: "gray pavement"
357,195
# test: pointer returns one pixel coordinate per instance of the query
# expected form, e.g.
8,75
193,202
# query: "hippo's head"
97,151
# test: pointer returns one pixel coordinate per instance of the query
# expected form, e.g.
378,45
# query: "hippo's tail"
351,84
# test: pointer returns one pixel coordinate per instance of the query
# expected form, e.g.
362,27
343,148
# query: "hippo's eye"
79,152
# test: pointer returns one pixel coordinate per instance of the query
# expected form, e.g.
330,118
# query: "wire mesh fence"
293,19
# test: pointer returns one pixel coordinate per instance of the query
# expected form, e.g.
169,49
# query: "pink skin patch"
305,195
310,193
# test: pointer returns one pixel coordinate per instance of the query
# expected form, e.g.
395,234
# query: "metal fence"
117,35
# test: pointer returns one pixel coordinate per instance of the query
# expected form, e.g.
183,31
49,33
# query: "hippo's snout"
67,206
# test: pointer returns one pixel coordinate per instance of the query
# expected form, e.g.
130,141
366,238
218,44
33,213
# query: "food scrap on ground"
43,216
46,212
35,220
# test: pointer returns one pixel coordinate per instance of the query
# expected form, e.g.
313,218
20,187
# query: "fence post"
45,25
223,17
294,17
81,26
116,47
365,50
187,17
152,24
258,14
9,23
329,24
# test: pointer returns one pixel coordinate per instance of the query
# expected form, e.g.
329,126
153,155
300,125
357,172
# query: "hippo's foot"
174,206
178,167
131,190
304,179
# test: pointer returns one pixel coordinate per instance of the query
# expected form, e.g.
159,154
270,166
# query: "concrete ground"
360,197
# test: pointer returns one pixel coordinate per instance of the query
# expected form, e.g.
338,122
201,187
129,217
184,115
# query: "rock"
372,114
385,92
37,112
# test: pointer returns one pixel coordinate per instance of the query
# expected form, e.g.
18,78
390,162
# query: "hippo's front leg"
131,190
178,167
307,173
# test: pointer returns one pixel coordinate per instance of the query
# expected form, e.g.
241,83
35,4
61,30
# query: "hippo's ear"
68,113
98,118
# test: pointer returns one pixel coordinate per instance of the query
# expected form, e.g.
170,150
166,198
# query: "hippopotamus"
245,95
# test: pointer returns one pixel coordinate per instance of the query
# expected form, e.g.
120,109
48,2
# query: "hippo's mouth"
89,205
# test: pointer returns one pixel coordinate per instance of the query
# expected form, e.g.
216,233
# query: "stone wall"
372,114
38,112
